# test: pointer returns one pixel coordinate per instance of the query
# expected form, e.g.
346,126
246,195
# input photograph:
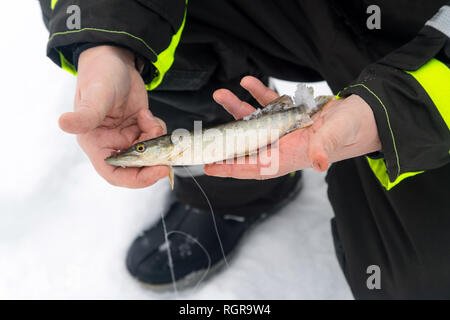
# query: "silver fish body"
238,138
227,141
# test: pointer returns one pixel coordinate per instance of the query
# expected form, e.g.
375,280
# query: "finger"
134,133
91,107
92,143
135,178
151,126
127,177
80,121
232,103
259,90
131,133
238,171
148,176
263,165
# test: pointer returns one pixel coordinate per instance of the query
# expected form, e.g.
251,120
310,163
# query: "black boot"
198,240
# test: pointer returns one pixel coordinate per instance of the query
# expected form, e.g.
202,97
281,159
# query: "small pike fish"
227,141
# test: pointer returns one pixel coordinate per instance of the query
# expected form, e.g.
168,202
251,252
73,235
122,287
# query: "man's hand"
111,113
343,129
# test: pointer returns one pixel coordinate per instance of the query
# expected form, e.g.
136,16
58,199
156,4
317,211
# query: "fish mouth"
115,154
121,158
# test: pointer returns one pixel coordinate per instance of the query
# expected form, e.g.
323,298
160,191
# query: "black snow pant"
406,239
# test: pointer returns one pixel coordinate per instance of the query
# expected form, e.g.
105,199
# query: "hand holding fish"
111,113
342,129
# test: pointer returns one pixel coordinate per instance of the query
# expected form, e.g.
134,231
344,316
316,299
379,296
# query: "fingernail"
149,115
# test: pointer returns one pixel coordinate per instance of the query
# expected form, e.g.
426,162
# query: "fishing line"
169,255
169,252
201,247
212,214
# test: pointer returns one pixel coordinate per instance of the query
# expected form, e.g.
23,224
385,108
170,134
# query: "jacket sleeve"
150,28
409,93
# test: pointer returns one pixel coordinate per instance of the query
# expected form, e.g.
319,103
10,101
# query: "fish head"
147,153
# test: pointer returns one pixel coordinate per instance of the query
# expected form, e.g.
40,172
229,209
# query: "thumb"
91,106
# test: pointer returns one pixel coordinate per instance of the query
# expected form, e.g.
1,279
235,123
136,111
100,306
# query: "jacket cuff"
117,22
385,131
77,49
407,93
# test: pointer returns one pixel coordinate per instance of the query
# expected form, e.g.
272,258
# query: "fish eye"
140,147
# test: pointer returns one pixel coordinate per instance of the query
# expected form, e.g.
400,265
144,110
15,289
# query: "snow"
64,232
305,95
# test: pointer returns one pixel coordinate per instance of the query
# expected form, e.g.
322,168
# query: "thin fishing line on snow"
169,255
167,234
201,247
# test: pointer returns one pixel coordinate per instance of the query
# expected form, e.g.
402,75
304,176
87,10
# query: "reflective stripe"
56,34
53,4
66,65
441,21
165,58
434,77
378,167
388,121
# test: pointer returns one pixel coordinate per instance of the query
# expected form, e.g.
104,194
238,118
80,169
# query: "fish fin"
255,114
322,100
280,103
303,122
171,177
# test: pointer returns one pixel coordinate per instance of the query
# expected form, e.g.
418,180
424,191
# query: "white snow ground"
64,231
